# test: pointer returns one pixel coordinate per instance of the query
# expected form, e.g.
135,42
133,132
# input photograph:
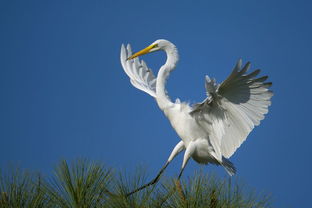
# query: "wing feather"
233,108
140,75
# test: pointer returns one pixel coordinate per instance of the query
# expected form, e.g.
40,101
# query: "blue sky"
64,94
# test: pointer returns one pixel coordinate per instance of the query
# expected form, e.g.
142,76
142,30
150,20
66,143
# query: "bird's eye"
154,46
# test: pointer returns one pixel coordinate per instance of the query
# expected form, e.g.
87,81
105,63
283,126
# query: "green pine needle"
85,184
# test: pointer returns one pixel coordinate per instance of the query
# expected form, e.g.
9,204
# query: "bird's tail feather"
229,167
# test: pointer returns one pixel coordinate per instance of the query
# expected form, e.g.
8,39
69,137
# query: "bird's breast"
184,124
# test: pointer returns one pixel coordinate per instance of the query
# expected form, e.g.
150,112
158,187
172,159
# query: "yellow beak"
142,52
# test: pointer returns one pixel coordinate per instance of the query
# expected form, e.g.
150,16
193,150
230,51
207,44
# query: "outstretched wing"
233,109
140,75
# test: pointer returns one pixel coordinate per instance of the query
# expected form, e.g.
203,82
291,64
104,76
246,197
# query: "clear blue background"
64,94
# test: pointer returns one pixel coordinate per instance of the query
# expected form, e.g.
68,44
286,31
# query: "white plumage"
212,130
140,75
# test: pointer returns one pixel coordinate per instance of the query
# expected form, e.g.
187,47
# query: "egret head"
160,44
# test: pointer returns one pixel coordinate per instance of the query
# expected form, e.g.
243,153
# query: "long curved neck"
162,98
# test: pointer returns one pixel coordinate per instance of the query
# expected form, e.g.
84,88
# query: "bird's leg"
180,174
151,182
187,155
177,149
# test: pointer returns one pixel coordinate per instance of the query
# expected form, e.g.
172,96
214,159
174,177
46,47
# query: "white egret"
212,130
